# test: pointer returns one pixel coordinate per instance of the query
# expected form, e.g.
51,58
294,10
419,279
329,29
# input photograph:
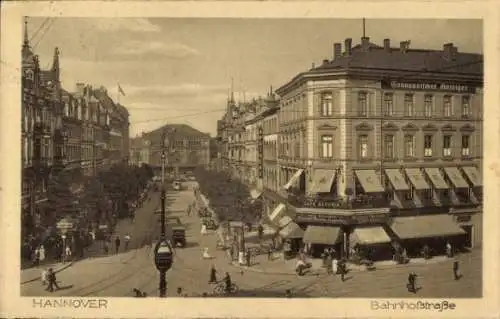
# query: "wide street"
117,275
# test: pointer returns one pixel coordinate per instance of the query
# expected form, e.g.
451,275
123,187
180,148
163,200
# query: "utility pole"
163,279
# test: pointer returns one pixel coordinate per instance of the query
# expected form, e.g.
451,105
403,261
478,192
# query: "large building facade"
374,150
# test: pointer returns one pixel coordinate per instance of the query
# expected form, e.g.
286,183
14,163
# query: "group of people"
118,242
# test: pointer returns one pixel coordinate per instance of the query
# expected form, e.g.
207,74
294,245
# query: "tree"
61,191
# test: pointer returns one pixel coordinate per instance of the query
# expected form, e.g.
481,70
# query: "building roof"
176,131
388,60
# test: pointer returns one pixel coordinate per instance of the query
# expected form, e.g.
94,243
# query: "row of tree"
229,198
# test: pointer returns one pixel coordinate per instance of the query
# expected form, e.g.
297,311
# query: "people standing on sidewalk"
117,244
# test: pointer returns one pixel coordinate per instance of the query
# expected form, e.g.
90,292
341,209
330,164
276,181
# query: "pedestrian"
260,231
248,258
229,284
213,275
117,244
412,278
449,251
51,277
342,269
334,266
127,241
203,229
456,273
270,254
44,277
288,293
67,254
36,257
42,253
179,291
329,264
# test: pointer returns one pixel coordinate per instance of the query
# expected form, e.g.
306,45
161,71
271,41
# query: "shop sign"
428,86
463,218
342,219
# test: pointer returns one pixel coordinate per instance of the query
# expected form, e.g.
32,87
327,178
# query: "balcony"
359,202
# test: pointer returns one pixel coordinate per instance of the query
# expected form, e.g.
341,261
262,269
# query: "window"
428,105
447,145
447,107
428,145
409,105
465,106
326,104
363,146
326,146
465,145
362,104
388,104
389,146
409,146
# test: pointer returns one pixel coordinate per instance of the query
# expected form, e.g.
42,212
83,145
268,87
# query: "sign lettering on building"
342,219
429,86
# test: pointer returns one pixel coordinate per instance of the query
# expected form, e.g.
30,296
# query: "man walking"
412,278
456,274
51,276
117,244
127,241
213,275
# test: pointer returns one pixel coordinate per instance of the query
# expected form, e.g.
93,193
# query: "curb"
65,266
383,267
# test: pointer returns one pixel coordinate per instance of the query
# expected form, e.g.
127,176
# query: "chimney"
365,43
80,88
449,51
387,45
337,50
348,46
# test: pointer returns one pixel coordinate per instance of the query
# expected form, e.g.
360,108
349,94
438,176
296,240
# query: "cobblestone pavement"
117,275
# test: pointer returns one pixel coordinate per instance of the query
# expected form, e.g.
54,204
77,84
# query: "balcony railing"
359,202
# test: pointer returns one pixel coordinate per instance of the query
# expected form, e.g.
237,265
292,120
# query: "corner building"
381,147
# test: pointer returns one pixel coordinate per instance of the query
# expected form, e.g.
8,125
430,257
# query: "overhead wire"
42,25
49,25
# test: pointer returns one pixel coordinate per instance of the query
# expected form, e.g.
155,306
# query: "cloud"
126,24
171,50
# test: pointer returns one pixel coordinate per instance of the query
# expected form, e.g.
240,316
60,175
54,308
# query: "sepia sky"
178,70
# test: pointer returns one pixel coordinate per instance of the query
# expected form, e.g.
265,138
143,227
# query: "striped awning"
369,181
369,236
397,180
254,193
294,179
436,178
292,230
473,175
456,177
322,181
425,226
276,212
416,178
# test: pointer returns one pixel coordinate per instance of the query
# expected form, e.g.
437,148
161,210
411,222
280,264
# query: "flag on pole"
120,90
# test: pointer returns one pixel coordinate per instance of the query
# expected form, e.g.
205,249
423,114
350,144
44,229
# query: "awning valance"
276,212
425,226
369,181
285,220
436,178
456,177
292,230
322,235
417,179
254,193
397,179
473,175
322,181
369,236
294,179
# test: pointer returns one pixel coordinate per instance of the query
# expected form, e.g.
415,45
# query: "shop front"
348,232
471,221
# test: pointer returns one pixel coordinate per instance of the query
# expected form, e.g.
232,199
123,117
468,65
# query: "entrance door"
469,229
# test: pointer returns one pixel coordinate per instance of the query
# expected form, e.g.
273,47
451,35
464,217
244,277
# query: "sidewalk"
279,266
35,273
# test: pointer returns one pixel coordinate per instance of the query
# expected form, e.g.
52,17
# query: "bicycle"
220,288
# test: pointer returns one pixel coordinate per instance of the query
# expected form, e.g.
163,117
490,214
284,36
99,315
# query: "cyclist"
228,283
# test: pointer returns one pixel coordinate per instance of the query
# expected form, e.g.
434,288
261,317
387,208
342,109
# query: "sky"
179,70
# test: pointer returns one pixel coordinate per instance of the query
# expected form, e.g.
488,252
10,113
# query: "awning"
276,212
322,235
397,179
368,236
294,178
416,178
425,226
473,175
369,181
292,230
255,193
436,178
285,220
322,181
456,177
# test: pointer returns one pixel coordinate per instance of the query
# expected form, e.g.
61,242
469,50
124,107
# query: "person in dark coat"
412,279
456,270
213,275
249,257
117,244
228,283
51,277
